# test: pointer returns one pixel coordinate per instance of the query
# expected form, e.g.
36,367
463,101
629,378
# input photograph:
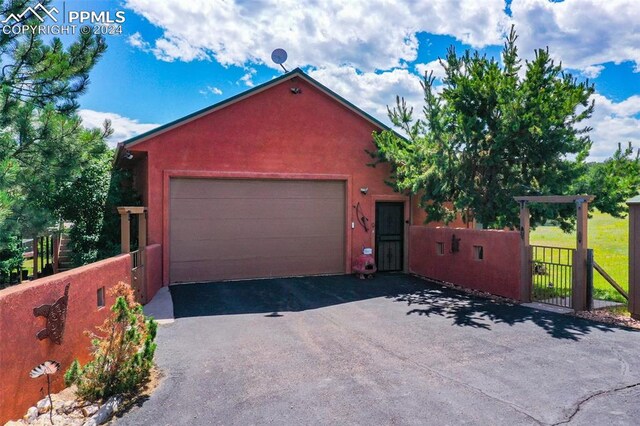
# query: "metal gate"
552,275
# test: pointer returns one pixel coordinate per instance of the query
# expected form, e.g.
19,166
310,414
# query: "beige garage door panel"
233,229
266,220
253,248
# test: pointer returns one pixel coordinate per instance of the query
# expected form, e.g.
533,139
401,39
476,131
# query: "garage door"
224,229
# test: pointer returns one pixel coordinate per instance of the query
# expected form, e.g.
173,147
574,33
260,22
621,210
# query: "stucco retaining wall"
20,350
497,273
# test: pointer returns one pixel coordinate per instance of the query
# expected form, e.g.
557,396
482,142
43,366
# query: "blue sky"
174,56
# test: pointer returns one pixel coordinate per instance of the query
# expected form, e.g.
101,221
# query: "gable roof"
240,96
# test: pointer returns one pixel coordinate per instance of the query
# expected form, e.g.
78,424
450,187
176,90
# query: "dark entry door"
389,236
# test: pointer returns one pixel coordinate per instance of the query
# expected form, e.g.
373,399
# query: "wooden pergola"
579,293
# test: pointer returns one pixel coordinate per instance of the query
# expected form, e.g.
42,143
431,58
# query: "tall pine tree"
42,141
492,131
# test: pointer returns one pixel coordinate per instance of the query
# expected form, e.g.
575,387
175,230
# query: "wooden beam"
132,209
142,231
579,292
35,258
525,254
555,199
56,252
610,280
125,232
634,257
142,244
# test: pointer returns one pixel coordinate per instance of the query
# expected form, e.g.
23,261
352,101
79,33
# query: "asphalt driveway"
393,350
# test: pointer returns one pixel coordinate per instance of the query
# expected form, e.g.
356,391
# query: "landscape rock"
90,410
68,410
44,420
43,406
32,415
67,407
106,410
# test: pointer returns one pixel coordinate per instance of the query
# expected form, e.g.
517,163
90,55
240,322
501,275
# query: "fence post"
56,251
138,273
525,254
634,257
579,291
125,237
35,258
589,279
142,245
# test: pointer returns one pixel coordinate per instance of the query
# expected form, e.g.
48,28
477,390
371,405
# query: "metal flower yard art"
56,314
47,368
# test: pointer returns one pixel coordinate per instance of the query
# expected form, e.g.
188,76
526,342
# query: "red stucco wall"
498,273
153,270
20,350
272,133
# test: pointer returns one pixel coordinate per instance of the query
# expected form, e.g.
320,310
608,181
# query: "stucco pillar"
634,257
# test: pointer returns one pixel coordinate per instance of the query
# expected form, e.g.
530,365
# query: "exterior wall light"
364,190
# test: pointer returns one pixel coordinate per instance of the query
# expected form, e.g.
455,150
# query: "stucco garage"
223,229
275,181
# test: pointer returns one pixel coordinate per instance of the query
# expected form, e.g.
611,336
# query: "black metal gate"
389,236
552,275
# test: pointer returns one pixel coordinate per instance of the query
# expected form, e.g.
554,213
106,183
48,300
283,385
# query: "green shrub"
10,256
122,353
90,202
73,373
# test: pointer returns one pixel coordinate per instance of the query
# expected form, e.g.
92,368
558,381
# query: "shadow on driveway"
272,297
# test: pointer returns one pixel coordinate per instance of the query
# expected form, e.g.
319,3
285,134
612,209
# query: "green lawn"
608,237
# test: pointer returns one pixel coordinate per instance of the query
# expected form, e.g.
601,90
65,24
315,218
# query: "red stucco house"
272,182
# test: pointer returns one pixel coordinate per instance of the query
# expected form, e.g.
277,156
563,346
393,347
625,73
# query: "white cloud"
372,91
613,123
210,90
581,33
366,34
381,34
433,66
123,127
592,71
247,78
363,49
168,51
136,40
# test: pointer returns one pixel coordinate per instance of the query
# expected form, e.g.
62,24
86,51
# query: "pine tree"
494,131
42,142
122,351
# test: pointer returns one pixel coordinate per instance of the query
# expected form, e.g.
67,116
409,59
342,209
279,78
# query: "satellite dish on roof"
279,56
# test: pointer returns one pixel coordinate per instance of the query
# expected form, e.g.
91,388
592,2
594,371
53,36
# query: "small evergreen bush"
122,352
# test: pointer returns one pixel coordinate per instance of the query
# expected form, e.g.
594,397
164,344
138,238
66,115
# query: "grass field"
608,237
